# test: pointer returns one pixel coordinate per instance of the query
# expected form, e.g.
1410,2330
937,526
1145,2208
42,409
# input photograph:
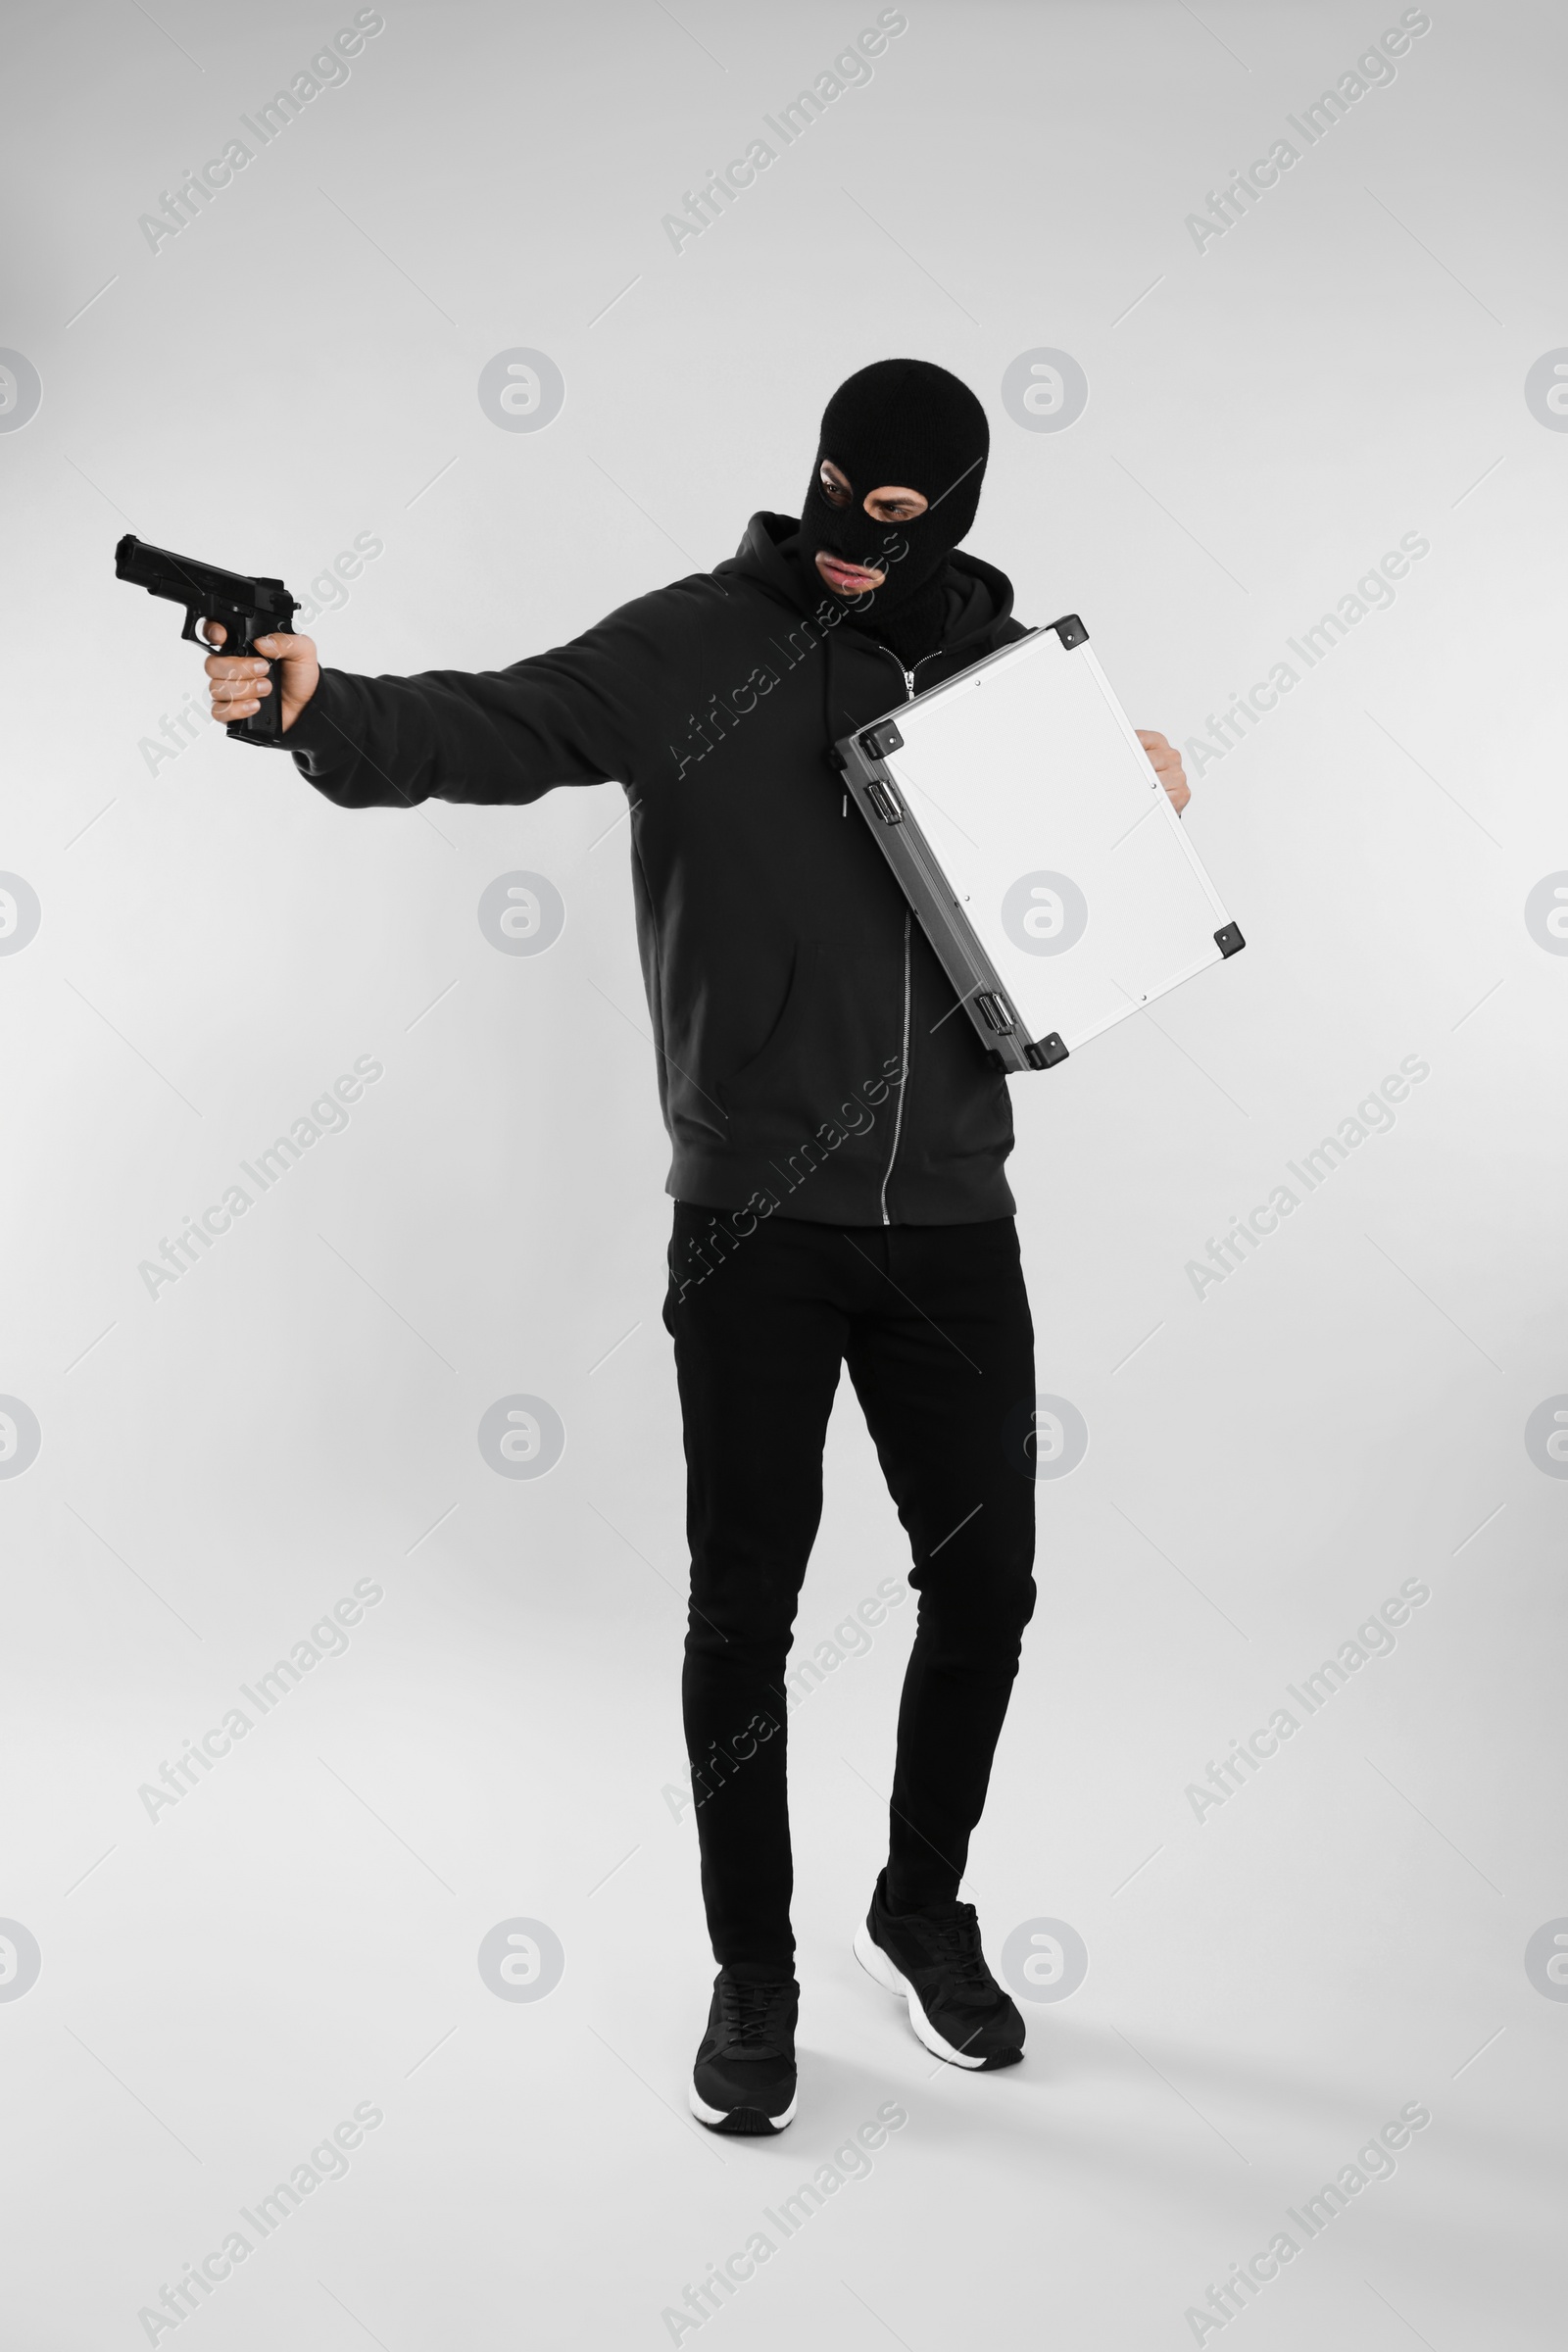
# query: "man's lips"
852,576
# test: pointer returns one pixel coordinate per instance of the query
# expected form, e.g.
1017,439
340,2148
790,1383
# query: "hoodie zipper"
908,675
904,1083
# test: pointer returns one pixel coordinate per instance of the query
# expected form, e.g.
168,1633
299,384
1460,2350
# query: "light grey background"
500,1743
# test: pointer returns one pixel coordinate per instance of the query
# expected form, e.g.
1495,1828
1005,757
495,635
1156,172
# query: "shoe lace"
749,2012
953,1941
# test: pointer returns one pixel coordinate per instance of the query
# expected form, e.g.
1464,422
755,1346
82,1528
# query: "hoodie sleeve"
604,708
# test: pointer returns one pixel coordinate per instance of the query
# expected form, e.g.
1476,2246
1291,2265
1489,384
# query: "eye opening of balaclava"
912,424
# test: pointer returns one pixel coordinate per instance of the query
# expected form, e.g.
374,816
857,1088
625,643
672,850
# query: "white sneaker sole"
721,2115
875,1962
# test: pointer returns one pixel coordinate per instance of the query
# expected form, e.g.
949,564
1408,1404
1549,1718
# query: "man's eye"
834,492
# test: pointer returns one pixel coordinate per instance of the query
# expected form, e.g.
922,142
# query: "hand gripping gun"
247,609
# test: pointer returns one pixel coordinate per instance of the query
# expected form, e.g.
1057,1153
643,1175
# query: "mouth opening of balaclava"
905,425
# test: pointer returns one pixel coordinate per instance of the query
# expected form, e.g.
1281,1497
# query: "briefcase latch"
994,1011
885,801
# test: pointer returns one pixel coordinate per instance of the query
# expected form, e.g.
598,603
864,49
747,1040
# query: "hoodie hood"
979,597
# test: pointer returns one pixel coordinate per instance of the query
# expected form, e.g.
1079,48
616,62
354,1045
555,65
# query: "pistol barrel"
183,580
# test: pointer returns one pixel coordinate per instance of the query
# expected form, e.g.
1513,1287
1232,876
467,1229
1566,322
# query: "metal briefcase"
1037,847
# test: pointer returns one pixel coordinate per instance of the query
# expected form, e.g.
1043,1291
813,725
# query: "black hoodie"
811,1060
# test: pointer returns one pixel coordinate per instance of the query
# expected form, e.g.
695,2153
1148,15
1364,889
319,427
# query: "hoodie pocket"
757,1058
809,1073
790,1085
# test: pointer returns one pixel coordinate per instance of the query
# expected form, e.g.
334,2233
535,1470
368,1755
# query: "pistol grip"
265,723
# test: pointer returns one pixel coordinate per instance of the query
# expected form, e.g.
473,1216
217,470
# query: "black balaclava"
909,424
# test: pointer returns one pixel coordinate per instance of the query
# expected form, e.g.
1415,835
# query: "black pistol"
247,610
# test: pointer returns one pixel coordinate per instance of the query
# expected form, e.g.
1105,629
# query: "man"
837,1159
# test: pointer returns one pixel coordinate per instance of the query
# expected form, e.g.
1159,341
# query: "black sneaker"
744,2079
933,1958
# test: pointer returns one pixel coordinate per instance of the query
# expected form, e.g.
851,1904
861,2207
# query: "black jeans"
934,1324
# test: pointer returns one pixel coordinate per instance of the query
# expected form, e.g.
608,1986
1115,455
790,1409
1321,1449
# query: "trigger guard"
194,630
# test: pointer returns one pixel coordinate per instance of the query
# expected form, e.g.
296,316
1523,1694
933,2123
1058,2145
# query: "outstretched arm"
604,706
